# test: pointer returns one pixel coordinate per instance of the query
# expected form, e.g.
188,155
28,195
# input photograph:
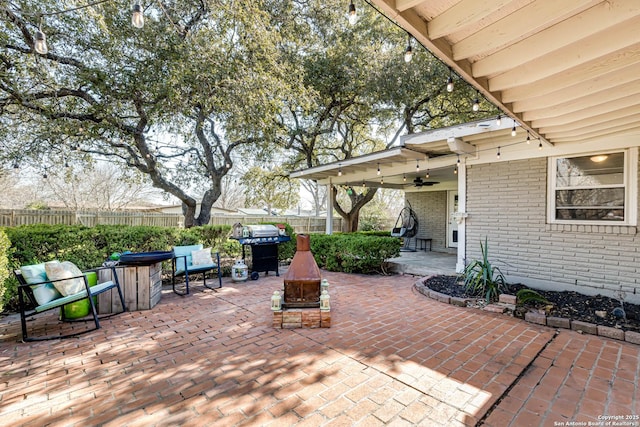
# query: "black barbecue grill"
264,241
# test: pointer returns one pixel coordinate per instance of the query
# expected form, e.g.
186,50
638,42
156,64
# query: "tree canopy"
206,83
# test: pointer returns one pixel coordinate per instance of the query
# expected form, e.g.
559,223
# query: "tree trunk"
351,218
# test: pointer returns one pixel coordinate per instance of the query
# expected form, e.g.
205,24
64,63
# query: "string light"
513,129
427,175
353,16
404,177
40,44
450,81
339,170
455,170
476,102
458,162
363,184
417,166
378,169
498,120
540,146
40,39
382,181
498,153
528,138
408,53
137,17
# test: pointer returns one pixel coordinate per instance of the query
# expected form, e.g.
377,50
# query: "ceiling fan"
418,182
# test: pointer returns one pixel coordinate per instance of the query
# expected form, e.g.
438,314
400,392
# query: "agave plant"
483,279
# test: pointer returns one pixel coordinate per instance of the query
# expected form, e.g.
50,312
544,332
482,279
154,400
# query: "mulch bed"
566,304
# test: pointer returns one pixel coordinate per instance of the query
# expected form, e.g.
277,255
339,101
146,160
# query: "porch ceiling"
568,70
430,151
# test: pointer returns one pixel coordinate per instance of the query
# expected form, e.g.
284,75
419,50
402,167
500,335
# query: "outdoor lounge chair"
37,294
194,259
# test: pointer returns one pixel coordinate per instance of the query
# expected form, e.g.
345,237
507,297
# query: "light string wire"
451,71
60,12
456,155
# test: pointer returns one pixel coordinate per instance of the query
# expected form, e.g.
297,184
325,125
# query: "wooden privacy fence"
17,217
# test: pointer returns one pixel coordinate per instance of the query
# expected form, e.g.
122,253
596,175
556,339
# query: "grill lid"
263,230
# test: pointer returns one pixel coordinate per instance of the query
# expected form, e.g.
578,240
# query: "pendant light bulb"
363,184
528,138
40,44
450,84
408,54
540,146
137,18
476,104
378,169
404,177
417,167
339,170
382,181
427,175
353,16
498,154
513,129
498,120
455,170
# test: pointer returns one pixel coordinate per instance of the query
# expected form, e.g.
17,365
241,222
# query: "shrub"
528,296
483,279
88,247
5,247
354,252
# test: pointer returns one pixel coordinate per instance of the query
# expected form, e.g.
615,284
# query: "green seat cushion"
182,253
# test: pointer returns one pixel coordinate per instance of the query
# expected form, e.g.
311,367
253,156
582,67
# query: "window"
593,189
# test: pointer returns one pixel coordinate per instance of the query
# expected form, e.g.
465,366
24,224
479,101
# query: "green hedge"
89,247
354,252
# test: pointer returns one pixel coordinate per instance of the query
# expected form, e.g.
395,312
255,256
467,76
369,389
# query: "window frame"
630,185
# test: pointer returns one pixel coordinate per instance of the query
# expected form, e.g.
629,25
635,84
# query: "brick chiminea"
302,280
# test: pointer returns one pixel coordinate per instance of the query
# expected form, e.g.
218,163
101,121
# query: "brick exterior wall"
507,203
431,209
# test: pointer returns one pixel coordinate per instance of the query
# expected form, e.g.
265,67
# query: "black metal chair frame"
194,269
25,296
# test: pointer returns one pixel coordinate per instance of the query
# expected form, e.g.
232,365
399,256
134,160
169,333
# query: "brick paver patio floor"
391,357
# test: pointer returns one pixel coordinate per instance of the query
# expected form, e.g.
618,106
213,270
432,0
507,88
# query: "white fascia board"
367,158
458,131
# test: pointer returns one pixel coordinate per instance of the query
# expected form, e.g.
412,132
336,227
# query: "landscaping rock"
460,302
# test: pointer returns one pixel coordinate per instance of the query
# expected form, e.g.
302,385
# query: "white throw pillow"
65,270
201,257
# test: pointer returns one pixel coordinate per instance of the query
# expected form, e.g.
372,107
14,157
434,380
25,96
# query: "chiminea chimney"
302,280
